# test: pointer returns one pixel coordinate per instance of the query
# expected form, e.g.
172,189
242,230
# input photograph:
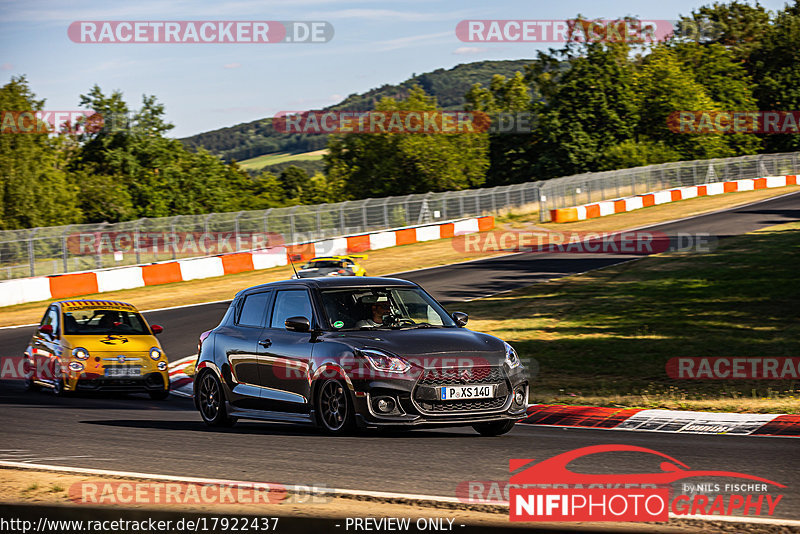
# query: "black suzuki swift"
352,352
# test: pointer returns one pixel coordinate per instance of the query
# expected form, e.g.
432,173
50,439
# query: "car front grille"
426,393
457,376
481,405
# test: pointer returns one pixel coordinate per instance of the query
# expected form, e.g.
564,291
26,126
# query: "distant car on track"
96,345
346,353
332,266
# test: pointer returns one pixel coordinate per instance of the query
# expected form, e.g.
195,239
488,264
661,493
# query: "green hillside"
252,139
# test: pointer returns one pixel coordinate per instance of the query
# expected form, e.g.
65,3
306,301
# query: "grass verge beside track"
397,259
604,337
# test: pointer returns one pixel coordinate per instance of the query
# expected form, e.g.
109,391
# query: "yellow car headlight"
155,353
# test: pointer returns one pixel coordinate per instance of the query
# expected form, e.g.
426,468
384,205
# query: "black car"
355,352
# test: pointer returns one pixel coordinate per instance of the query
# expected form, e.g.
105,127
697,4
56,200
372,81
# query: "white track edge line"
345,492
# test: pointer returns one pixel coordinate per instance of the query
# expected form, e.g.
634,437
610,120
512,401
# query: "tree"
34,188
508,152
776,69
377,164
736,25
587,108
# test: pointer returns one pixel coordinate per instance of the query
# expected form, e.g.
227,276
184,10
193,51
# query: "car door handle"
265,343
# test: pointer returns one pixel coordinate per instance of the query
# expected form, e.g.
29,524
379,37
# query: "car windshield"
382,307
327,264
91,321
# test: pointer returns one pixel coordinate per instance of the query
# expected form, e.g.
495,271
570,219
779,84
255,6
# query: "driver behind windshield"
376,312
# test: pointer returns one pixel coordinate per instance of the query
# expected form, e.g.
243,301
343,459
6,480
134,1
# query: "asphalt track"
136,434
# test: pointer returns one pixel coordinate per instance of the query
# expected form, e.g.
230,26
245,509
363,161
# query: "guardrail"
52,250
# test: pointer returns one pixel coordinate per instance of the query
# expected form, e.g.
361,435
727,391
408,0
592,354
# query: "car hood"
429,347
113,343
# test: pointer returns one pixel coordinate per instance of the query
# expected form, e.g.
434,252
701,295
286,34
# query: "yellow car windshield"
91,321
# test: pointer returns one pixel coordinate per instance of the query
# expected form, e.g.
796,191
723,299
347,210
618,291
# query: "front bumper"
415,404
156,381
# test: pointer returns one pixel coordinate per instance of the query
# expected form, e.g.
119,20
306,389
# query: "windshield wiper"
422,325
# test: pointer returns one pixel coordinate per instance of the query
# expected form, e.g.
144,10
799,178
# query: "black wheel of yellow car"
59,389
494,428
211,401
335,412
159,395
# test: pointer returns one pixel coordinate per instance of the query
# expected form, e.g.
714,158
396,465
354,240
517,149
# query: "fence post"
64,254
236,230
31,257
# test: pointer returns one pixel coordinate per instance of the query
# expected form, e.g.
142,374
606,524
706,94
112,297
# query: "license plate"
467,392
123,371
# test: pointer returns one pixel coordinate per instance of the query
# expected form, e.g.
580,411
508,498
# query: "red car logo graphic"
554,470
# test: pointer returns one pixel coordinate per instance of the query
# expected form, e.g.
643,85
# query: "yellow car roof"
348,257
68,305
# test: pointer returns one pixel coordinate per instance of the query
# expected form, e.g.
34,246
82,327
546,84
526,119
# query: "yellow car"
96,345
332,266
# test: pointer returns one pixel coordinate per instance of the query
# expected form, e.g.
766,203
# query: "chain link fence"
81,247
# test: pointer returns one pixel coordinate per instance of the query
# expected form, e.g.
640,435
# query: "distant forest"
251,139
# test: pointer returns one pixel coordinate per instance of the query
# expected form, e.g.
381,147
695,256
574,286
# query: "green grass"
259,162
605,337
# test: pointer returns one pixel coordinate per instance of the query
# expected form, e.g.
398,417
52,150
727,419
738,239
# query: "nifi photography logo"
549,491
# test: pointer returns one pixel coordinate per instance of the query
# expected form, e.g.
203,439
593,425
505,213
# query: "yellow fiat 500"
96,345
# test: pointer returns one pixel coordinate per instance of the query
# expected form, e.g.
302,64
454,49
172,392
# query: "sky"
205,86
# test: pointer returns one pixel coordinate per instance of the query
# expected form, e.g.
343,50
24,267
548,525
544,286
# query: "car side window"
290,303
254,310
51,318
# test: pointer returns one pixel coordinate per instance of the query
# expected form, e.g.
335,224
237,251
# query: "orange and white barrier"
621,205
23,290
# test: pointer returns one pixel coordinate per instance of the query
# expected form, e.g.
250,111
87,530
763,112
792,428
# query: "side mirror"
298,324
460,318
156,328
46,329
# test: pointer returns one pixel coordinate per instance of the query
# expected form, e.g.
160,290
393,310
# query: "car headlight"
162,366
512,359
80,353
75,367
382,361
155,353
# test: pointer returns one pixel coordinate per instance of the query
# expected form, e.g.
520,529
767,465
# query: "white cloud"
415,40
470,50
382,14
7,66
232,66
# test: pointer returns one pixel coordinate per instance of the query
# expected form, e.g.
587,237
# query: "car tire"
494,428
334,410
211,401
59,388
159,395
